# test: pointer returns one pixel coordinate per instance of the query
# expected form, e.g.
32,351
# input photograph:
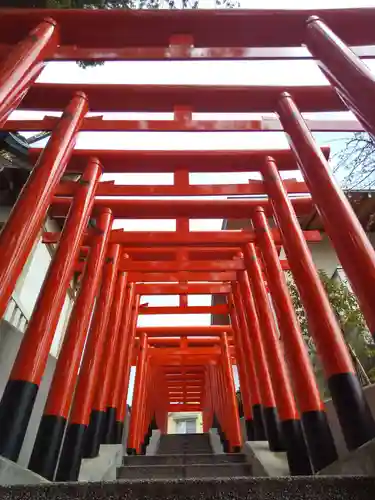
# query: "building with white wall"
323,253
188,422
14,170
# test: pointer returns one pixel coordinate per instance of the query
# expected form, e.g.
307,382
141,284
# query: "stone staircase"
182,456
190,476
184,444
254,488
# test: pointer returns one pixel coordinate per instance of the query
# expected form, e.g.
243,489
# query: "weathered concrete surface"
215,442
153,446
185,444
265,462
243,429
126,429
184,459
104,466
12,473
290,488
184,471
360,462
10,340
341,447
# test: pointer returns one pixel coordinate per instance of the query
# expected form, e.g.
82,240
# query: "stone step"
183,451
291,488
184,444
183,471
186,436
178,446
196,439
177,459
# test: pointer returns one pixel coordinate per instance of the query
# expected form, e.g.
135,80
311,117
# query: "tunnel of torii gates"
183,368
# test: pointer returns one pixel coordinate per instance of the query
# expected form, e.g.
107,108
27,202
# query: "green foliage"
357,336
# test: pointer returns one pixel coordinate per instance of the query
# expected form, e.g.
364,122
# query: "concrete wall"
325,258
334,423
324,255
31,280
11,473
10,339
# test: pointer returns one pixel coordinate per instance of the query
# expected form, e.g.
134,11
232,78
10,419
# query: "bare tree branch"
357,162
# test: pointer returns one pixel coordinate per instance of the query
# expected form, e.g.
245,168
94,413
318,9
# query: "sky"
196,72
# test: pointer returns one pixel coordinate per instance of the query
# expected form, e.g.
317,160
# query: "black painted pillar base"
15,409
273,429
226,445
143,448
119,430
357,423
154,424
94,434
236,449
71,455
221,434
296,449
131,451
148,435
259,431
215,422
250,434
47,446
319,439
109,428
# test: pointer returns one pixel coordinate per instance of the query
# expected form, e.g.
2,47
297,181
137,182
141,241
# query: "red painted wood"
164,98
169,161
116,29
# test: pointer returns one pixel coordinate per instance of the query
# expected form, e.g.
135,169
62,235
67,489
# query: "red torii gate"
187,370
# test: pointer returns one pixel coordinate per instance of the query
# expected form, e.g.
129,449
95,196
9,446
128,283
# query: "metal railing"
15,316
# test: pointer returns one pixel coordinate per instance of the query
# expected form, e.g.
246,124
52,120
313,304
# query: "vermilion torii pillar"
119,389
238,315
230,402
222,423
24,64
125,375
267,399
137,410
297,454
350,241
349,76
354,415
314,420
81,415
149,422
146,428
47,445
21,390
113,348
93,433
108,368
243,375
215,398
21,229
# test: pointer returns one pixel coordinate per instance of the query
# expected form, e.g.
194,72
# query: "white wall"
10,340
31,280
324,256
